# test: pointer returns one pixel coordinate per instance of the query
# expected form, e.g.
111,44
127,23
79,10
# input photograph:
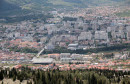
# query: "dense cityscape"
93,39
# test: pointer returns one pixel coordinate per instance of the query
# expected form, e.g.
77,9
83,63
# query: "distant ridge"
14,6
38,4
5,6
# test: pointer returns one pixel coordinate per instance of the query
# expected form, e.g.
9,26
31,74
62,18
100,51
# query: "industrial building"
41,60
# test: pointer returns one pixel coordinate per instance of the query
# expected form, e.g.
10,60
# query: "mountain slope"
17,6
5,6
30,4
38,4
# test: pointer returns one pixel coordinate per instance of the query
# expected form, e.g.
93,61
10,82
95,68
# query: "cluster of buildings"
7,57
10,57
65,61
94,11
80,34
67,58
101,29
111,65
91,28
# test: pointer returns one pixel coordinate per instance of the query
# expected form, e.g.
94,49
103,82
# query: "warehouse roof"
42,60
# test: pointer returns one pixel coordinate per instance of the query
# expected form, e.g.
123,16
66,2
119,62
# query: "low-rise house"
65,55
54,56
66,60
73,46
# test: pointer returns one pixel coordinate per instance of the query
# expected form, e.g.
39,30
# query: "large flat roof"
42,60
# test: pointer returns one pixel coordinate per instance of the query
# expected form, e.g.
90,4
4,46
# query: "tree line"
57,49
117,47
80,76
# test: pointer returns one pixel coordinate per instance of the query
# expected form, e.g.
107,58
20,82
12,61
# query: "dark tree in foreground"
88,76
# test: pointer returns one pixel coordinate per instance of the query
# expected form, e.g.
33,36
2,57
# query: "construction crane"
41,60
40,53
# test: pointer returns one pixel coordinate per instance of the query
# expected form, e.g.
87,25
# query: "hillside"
41,4
5,6
12,7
